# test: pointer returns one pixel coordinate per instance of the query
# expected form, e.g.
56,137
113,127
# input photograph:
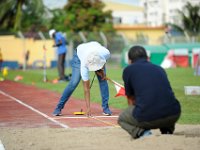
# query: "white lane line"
35,110
1,146
80,117
106,122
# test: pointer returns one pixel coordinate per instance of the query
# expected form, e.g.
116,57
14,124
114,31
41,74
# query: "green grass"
178,78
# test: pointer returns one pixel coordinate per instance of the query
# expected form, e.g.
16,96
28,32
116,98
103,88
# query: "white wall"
158,12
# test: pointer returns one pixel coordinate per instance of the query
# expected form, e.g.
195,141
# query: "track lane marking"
92,117
35,110
77,117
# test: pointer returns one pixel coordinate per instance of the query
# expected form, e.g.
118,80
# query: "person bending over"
87,57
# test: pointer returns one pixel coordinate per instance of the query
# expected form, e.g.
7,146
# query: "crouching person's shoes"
145,133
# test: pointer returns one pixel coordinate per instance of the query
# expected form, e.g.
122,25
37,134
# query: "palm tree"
190,20
13,11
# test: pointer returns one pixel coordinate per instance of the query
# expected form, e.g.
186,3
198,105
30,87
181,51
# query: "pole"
114,82
44,56
24,52
92,81
105,41
83,38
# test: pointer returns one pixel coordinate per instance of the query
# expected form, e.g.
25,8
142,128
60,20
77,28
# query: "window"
117,20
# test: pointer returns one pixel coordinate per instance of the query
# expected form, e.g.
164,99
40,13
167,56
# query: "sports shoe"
145,133
107,112
57,112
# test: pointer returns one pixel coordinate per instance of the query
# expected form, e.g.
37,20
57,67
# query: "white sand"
186,137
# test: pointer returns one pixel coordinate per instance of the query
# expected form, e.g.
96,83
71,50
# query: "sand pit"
186,137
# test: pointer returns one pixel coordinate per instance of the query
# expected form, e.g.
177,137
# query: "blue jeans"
75,79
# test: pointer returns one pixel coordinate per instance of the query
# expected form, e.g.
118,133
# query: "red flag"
120,89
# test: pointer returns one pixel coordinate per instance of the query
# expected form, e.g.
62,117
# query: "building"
129,21
124,13
159,12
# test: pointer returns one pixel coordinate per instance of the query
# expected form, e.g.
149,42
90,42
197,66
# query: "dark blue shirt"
148,83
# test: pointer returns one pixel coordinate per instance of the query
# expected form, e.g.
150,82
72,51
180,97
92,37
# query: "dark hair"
137,52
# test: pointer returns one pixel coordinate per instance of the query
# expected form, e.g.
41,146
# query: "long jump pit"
27,106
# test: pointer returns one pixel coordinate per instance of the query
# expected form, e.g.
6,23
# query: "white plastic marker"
35,110
1,146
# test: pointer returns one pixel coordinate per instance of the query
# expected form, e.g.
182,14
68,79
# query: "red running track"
26,106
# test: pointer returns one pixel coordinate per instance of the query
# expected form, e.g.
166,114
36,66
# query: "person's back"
154,97
151,101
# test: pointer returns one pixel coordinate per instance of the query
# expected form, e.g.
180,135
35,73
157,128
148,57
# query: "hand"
106,78
101,74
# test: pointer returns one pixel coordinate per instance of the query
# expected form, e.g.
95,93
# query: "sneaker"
107,112
146,133
57,112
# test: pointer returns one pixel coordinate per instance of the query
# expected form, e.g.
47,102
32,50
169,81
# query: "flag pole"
119,88
114,82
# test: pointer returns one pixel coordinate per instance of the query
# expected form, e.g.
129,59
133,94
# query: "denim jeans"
75,79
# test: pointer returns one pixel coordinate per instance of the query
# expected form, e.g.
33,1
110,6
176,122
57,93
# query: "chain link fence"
115,42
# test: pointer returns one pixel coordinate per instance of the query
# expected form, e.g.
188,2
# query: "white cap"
51,32
94,62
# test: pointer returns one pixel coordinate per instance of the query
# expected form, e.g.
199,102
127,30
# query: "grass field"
178,77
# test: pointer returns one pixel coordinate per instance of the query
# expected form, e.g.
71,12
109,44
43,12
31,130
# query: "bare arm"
86,86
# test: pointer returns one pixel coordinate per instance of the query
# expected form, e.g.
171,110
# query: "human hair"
137,52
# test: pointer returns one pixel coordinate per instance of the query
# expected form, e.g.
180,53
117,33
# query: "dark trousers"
135,128
61,66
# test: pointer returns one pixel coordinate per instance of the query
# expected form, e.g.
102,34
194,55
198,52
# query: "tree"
190,20
57,21
87,15
20,14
